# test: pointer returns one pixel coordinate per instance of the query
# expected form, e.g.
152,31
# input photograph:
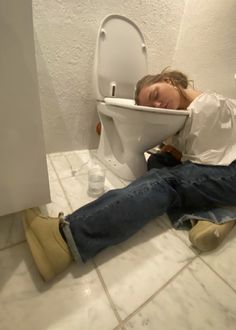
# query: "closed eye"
153,95
156,95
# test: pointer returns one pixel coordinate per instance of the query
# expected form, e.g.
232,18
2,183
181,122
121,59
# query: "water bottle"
96,180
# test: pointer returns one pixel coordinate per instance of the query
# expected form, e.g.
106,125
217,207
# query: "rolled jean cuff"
70,242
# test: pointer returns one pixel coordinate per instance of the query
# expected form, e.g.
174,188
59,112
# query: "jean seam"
222,178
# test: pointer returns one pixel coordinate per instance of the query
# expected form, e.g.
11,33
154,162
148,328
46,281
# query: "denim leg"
120,213
204,192
202,186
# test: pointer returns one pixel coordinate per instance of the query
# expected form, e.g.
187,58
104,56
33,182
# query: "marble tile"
86,155
222,260
76,163
137,268
184,236
72,163
11,229
163,221
61,164
74,300
79,161
51,172
196,299
76,188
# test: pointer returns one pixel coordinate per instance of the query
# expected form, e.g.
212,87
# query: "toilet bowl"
128,130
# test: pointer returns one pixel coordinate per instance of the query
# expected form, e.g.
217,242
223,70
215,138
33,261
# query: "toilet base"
128,133
132,167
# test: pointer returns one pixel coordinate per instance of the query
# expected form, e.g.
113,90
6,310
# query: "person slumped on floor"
193,181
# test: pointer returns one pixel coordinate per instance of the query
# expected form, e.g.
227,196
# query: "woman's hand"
174,152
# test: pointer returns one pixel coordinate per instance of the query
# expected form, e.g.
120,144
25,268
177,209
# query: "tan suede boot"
207,236
49,250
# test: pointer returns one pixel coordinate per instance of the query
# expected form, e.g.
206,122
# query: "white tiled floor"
155,280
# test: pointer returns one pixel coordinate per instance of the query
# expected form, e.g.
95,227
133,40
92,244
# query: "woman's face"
160,95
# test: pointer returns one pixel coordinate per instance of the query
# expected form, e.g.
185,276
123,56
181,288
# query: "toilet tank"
120,58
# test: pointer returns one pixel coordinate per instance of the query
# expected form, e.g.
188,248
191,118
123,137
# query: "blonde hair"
177,78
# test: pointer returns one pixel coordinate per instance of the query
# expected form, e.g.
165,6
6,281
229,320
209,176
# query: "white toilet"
128,130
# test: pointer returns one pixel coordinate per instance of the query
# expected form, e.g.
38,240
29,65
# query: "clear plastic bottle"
96,180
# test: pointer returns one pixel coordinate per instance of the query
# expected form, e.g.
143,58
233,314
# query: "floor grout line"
192,248
60,184
119,327
174,232
218,275
199,254
86,164
12,245
155,294
107,294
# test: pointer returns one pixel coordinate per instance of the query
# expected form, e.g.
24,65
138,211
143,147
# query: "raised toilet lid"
121,58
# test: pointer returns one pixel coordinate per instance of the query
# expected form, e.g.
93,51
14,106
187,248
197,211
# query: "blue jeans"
177,189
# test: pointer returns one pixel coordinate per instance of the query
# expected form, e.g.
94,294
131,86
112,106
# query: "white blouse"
209,134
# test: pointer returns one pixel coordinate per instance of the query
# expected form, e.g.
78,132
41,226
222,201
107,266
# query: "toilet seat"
130,104
120,59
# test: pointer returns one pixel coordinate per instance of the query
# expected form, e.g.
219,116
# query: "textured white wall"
65,38
206,47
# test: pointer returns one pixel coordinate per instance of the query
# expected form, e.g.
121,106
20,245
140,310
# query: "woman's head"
164,90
